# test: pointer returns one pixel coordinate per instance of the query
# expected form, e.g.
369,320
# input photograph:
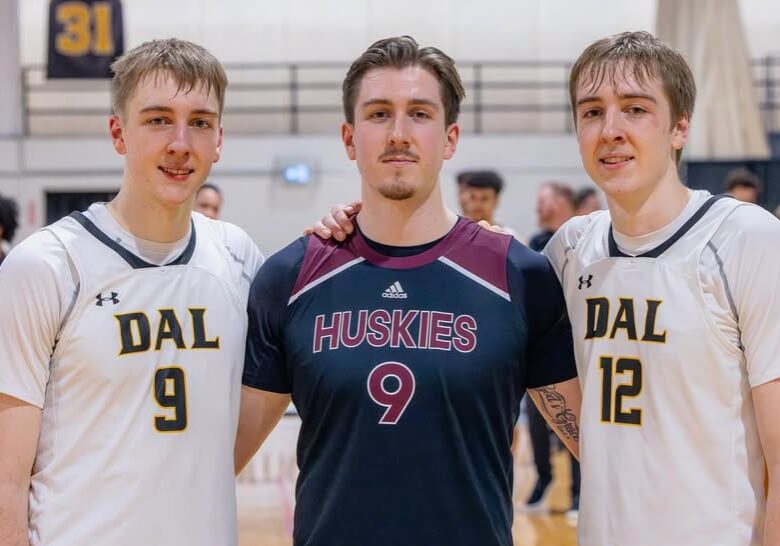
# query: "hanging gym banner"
85,36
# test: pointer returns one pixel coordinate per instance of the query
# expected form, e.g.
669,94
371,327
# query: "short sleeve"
33,281
557,248
239,244
265,365
752,266
537,293
245,247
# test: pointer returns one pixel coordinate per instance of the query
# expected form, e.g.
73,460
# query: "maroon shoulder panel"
483,253
321,258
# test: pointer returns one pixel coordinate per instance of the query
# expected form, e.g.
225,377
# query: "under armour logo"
585,281
113,298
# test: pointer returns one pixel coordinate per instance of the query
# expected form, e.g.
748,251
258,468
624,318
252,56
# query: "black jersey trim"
614,251
134,261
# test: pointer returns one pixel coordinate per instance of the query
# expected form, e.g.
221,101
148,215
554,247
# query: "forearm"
13,513
19,426
772,520
766,401
244,451
559,404
260,412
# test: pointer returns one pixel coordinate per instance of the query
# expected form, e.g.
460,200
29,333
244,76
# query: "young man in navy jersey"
407,347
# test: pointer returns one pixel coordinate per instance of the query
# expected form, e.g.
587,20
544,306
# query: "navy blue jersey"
407,372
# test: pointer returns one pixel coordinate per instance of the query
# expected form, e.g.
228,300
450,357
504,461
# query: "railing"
305,98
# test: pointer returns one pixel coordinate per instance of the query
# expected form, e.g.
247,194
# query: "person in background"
554,206
478,196
208,201
587,200
9,221
743,185
478,193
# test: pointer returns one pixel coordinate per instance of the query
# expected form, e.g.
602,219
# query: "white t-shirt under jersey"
668,349
137,371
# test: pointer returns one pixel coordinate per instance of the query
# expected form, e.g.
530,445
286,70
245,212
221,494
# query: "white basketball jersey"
141,409
670,453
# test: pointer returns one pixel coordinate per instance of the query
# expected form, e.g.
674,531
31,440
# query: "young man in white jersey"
123,335
674,308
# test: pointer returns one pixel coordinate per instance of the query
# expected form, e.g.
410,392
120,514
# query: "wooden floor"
265,502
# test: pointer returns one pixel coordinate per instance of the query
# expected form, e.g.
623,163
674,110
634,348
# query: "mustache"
392,152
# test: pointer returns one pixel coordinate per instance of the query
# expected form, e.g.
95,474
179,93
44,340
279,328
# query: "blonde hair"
189,64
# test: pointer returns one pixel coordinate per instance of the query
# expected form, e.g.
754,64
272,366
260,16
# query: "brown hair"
562,190
401,52
190,65
481,179
742,177
644,57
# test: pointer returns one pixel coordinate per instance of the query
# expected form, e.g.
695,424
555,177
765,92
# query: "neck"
638,214
150,220
405,223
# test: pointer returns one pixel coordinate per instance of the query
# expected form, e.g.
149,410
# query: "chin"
397,191
174,197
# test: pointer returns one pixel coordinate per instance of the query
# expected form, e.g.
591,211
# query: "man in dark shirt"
407,347
554,206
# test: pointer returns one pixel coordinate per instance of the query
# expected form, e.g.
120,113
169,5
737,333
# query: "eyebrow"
198,111
594,98
385,102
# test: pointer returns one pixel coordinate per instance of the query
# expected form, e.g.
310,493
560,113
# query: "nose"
179,145
612,130
399,132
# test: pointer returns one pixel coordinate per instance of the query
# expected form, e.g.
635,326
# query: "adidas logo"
395,291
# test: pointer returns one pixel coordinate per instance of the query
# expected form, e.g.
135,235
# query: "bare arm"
260,412
20,424
766,400
559,404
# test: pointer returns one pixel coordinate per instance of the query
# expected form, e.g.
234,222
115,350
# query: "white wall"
270,211
288,30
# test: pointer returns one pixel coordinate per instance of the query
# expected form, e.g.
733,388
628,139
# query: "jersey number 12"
612,398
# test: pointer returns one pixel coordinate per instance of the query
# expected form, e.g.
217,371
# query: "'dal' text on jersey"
607,318
136,332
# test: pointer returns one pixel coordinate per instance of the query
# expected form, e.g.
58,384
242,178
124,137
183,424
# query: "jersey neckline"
615,252
134,261
364,250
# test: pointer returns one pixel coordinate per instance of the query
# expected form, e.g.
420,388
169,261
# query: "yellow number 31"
86,29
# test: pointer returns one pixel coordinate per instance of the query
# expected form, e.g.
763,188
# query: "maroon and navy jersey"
407,367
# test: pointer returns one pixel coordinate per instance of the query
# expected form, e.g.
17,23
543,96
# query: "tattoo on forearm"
554,406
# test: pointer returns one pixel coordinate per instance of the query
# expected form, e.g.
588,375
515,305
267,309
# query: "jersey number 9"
170,392
391,385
